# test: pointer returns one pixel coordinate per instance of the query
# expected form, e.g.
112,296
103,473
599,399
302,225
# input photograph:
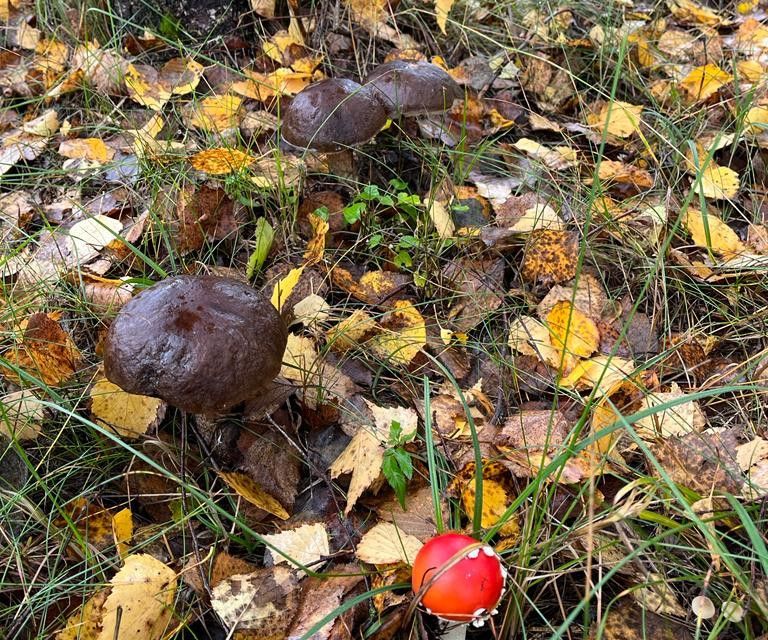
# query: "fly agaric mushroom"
466,591
201,343
333,114
411,88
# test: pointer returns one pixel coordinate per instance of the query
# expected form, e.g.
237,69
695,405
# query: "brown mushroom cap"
201,343
412,88
333,114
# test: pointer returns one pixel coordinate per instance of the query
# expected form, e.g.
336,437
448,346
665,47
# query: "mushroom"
467,590
333,114
412,88
201,343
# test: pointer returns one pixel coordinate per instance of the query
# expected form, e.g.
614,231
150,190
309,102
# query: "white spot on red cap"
473,554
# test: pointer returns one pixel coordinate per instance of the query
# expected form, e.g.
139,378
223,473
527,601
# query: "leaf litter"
566,373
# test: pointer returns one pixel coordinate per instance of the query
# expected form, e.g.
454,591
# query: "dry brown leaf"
305,544
43,350
418,518
386,544
677,420
127,414
550,257
751,453
251,491
265,601
320,598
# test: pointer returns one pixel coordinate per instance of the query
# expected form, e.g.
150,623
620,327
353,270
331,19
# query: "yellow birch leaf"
140,605
530,337
122,531
285,286
385,543
689,12
757,120
316,244
572,330
250,490
92,149
496,499
702,82
441,218
718,183
305,544
214,113
20,415
442,9
144,88
722,239
127,414
352,331
601,371
85,624
619,119
556,158
221,160
403,334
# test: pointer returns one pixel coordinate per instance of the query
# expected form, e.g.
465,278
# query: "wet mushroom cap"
411,88
333,114
201,343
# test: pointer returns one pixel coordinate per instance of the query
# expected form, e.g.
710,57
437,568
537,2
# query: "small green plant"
398,466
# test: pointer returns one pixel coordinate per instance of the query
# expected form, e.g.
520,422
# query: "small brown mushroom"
413,88
201,343
331,115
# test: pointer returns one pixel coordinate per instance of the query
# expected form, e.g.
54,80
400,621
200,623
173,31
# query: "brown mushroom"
413,88
331,115
201,343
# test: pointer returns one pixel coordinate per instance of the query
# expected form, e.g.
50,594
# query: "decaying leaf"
364,455
373,287
306,544
677,420
386,544
129,415
20,415
214,113
403,334
264,601
556,158
530,337
43,350
221,161
550,257
613,172
628,621
619,119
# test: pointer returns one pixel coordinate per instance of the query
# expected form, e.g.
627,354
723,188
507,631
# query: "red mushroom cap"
469,590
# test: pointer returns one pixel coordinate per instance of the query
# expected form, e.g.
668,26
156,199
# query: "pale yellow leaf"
600,371
385,543
619,119
122,531
572,331
718,183
703,82
140,605
306,544
530,337
441,218
442,9
678,420
20,415
557,158
722,239
362,458
127,414
751,453
214,113
403,334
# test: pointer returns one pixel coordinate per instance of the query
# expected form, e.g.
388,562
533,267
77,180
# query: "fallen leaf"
91,519
285,286
600,371
585,293
140,604
627,621
20,415
364,454
373,287
690,12
751,453
92,149
221,161
573,332
265,601
44,350
352,332
704,81
496,499
214,114
556,158
440,217
619,119
85,624
127,414
442,9
550,257
306,545
613,172
251,491
677,420
122,531
718,183
403,334
722,240
530,337
386,544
